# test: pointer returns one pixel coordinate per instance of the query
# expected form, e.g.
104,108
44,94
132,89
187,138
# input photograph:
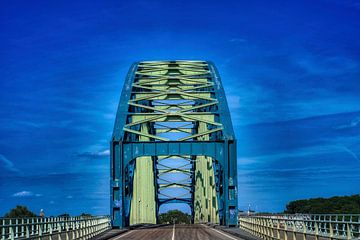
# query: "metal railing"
302,226
53,228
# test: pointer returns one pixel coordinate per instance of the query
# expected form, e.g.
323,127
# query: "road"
178,231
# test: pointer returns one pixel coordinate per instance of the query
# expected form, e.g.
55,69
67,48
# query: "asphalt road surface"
178,231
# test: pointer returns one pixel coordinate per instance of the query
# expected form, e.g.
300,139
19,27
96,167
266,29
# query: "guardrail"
302,226
53,228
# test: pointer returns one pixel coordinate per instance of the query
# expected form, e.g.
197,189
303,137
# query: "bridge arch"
173,108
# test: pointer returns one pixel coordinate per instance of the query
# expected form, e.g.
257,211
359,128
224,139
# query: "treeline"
340,205
174,216
23,212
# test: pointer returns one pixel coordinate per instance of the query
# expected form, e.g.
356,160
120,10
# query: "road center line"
173,236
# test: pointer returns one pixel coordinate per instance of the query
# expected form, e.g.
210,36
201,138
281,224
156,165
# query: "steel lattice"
169,114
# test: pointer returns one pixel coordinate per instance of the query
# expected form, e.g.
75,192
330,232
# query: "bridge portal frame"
223,151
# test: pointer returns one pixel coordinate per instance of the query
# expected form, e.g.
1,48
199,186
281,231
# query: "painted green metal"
173,120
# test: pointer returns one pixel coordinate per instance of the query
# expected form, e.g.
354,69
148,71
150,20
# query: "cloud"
233,101
69,197
8,165
95,155
23,194
237,40
348,150
326,66
354,123
299,153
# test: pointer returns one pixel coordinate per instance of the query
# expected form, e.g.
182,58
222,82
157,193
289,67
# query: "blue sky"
291,71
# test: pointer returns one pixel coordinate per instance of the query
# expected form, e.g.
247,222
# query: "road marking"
173,236
224,234
228,236
123,235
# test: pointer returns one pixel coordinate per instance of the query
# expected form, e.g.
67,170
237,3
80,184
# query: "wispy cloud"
354,123
297,153
332,65
94,155
8,165
237,40
233,101
26,194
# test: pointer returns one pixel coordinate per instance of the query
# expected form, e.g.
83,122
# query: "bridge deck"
177,231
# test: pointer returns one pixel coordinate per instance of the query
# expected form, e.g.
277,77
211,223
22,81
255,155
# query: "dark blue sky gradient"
291,71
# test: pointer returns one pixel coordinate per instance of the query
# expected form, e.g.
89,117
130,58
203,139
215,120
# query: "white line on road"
123,235
228,236
173,236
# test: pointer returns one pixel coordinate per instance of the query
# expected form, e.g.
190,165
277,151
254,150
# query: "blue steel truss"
125,147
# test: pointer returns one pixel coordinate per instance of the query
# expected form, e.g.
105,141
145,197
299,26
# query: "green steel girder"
156,96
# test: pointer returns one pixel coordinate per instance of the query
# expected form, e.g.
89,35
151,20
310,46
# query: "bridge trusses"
173,142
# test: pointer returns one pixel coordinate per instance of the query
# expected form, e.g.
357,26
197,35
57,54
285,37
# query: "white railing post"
50,231
316,230
3,229
67,230
348,232
11,232
304,232
22,228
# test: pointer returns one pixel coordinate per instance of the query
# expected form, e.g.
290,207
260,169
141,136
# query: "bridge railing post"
50,231
285,229
331,229
277,228
27,231
3,229
22,228
304,230
67,230
316,230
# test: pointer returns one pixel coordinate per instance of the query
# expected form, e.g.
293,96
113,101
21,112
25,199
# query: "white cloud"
23,194
69,197
27,194
105,153
98,154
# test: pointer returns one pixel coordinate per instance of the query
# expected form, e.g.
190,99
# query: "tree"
86,215
339,205
19,212
174,216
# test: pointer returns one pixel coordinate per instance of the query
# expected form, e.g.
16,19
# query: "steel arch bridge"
173,142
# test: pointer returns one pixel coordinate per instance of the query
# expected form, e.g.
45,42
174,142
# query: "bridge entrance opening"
175,213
